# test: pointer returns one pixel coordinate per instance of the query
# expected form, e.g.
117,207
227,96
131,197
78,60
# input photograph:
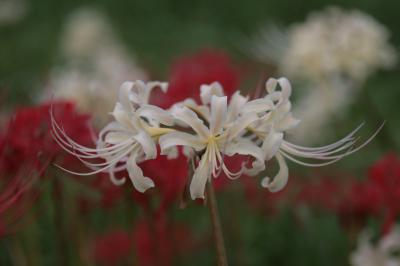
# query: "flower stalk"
216,226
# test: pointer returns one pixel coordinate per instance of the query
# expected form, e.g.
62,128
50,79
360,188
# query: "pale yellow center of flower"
158,131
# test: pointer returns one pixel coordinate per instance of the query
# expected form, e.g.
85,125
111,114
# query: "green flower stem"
216,225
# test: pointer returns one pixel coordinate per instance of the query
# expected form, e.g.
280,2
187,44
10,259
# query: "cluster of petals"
208,131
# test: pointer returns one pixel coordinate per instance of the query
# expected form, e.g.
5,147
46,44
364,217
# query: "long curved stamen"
57,129
112,162
326,147
321,154
316,155
311,164
71,149
231,175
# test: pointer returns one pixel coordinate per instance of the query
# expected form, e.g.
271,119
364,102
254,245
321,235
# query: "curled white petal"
203,111
246,147
140,182
257,106
281,179
271,84
124,94
121,115
235,105
288,122
271,144
191,119
286,87
147,143
152,112
173,139
207,91
240,124
218,114
201,176
116,137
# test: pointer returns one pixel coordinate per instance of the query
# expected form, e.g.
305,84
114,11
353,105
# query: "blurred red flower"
28,134
26,149
170,177
323,193
18,193
188,73
378,195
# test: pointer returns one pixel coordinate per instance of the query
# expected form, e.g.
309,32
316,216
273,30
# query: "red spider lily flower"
15,200
18,194
28,133
379,195
188,73
323,193
170,177
113,248
27,148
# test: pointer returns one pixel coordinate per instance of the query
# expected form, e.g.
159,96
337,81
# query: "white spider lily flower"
213,137
269,132
128,140
385,252
208,132
330,43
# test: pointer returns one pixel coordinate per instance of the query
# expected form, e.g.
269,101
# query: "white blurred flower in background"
12,11
337,42
384,253
95,64
333,52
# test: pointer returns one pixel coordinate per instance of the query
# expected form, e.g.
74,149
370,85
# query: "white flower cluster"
330,43
209,132
95,64
385,252
12,11
350,43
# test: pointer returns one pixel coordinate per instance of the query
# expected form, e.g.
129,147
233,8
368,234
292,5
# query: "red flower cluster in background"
17,195
204,67
170,177
354,201
28,136
378,195
26,150
323,193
